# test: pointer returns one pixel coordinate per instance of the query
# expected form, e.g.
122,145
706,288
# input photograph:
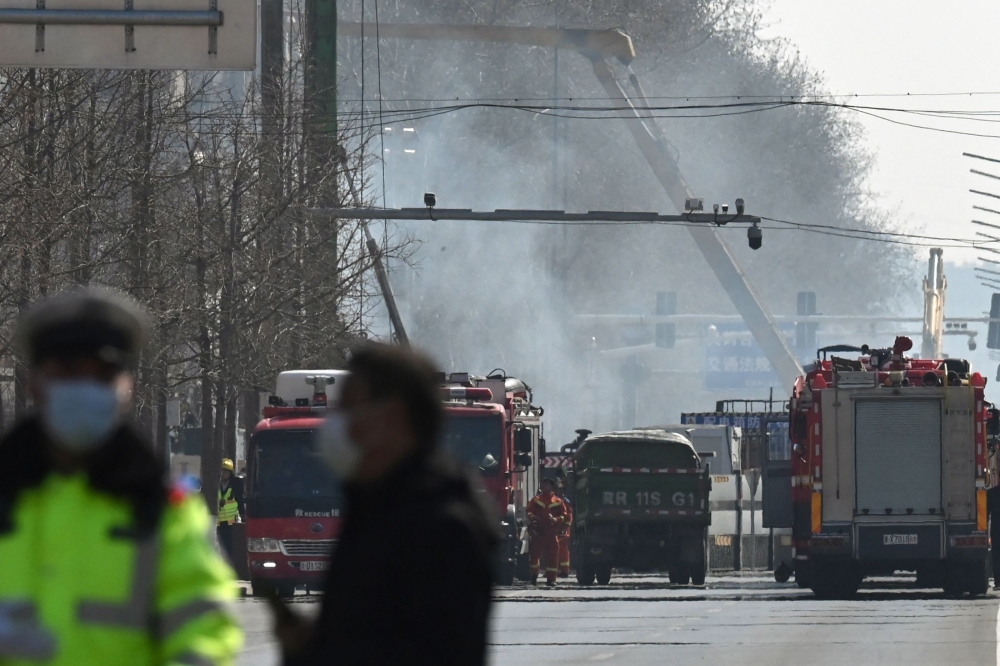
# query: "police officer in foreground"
102,563
411,579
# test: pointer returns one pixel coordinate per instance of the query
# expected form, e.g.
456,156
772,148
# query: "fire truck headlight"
263,546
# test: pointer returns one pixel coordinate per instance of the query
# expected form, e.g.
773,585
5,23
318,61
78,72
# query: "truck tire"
258,588
679,574
782,573
698,569
602,572
698,576
834,580
954,579
523,568
977,582
803,576
585,573
505,574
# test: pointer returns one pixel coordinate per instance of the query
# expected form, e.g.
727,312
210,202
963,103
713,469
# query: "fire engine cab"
890,467
293,500
491,426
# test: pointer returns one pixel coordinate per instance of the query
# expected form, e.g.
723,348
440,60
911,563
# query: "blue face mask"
80,414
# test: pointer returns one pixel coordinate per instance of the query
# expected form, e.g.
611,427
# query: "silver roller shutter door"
898,455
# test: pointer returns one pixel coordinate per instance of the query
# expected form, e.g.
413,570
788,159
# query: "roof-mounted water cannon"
581,435
319,384
900,346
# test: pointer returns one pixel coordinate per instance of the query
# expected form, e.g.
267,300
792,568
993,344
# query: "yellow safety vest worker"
79,585
228,508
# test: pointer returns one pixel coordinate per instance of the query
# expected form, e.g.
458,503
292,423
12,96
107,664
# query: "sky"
924,48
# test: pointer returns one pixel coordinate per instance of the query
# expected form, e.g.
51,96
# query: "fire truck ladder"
598,46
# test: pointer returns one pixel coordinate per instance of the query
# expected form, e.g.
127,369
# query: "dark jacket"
124,467
410,581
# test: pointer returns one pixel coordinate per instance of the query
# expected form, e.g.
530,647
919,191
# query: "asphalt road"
751,620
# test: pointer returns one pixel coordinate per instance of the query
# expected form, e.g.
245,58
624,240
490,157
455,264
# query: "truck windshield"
471,438
285,465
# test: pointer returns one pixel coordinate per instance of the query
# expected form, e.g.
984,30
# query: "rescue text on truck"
890,471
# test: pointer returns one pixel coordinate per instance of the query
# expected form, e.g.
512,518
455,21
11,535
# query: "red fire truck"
292,499
491,425
890,470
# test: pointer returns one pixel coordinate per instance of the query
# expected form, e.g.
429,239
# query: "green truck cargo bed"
640,475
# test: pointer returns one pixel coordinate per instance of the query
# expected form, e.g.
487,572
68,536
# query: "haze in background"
487,296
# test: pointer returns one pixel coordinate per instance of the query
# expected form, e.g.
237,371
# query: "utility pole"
272,64
935,285
321,104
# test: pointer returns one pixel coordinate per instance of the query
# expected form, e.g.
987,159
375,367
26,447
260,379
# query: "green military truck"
640,501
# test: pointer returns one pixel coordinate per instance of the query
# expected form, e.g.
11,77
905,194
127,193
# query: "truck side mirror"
523,459
522,440
993,423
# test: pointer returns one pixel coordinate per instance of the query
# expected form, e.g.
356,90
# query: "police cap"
83,322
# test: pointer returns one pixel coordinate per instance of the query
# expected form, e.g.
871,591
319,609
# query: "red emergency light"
466,393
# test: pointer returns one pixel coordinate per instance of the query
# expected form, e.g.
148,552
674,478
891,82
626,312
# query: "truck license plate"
899,539
314,566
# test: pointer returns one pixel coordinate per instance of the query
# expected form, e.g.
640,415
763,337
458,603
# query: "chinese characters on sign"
737,364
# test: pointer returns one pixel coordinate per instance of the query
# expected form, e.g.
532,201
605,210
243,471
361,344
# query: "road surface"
750,620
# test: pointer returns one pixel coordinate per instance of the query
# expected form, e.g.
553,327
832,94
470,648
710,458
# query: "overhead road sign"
129,34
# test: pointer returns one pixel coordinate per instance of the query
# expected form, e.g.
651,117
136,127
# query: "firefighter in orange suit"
565,534
546,518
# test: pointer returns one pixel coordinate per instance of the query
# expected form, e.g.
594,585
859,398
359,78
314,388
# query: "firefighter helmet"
228,464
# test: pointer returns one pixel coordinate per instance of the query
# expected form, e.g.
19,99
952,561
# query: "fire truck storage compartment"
898,456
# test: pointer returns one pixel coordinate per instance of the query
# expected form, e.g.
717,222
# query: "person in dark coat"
411,578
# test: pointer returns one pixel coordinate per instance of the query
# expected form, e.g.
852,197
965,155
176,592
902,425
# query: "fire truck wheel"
523,568
505,575
782,573
802,577
954,579
977,578
602,572
832,580
258,588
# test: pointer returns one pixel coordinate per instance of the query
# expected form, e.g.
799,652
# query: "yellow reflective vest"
78,584
228,508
